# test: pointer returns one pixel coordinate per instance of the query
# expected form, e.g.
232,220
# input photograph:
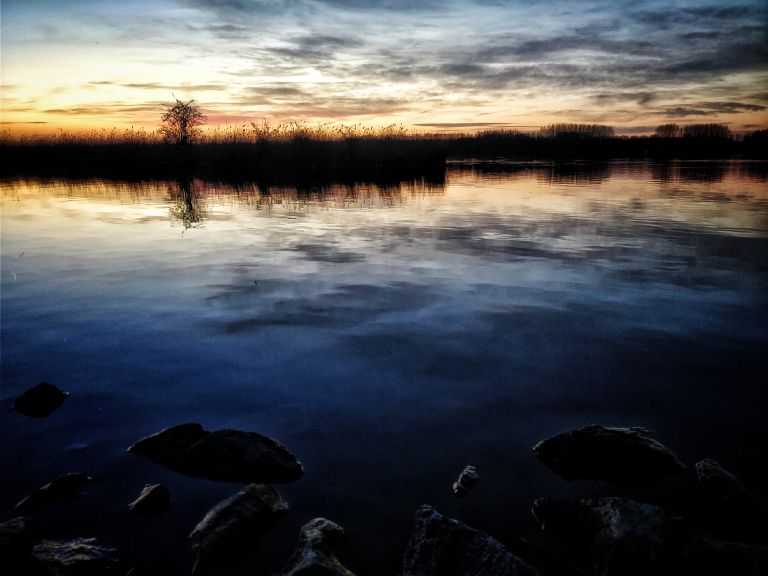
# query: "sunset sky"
429,64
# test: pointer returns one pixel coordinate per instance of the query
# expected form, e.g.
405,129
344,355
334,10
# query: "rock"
627,457
79,557
467,479
227,455
705,555
314,552
618,536
62,488
40,401
442,545
15,546
230,530
153,500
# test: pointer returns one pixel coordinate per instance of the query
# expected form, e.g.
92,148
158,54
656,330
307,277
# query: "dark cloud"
709,108
470,125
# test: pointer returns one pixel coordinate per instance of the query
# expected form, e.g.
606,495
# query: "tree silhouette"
708,131
667,131
180,121
577,131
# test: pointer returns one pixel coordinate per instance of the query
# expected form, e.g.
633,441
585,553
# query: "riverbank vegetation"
296,152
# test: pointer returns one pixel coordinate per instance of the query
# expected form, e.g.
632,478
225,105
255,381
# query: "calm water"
388,337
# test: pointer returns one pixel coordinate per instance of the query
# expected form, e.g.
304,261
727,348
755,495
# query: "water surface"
387,336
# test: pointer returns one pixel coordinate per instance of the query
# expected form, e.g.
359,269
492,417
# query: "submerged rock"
442,545
153,500
15,546
79,557
627,457
467,479
314,552
227,455
60,489
230,530
618,536
40,401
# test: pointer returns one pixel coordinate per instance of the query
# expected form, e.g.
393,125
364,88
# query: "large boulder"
314,554
729,508
60,489
227,455
79,557
617,536
628,457
442,545
230,530
40,401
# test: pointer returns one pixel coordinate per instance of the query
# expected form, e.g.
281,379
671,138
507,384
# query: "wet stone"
40,401
442,545
617,536
229,531
78,557
61,489
226,455
153,500
467,479
627,457
314,553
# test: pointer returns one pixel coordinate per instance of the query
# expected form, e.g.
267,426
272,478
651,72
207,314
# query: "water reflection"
387,334
187,204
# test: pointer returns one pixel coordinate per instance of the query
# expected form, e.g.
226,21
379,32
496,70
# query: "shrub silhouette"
180,121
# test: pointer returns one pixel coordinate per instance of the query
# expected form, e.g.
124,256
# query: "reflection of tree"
188,207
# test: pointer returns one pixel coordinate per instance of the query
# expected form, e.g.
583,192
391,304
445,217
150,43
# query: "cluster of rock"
682,521
21,555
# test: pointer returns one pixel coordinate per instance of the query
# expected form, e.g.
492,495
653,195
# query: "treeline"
599,142
391,154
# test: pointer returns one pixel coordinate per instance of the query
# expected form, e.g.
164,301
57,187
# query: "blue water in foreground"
387,337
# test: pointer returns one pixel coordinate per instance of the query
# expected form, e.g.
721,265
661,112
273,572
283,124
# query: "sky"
429,65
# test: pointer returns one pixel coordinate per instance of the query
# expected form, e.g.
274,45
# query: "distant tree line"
577,131
705,131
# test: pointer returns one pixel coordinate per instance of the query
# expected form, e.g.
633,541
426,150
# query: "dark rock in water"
442,545
79,557
623,537
227,455
705,555
168,446
467,479
725,490
618,536
153,500
40,401
15,546
627,457
62,488
230,530
314,552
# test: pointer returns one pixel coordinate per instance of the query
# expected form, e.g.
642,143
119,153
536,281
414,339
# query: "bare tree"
180,121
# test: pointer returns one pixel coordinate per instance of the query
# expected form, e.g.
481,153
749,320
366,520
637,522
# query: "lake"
387,335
